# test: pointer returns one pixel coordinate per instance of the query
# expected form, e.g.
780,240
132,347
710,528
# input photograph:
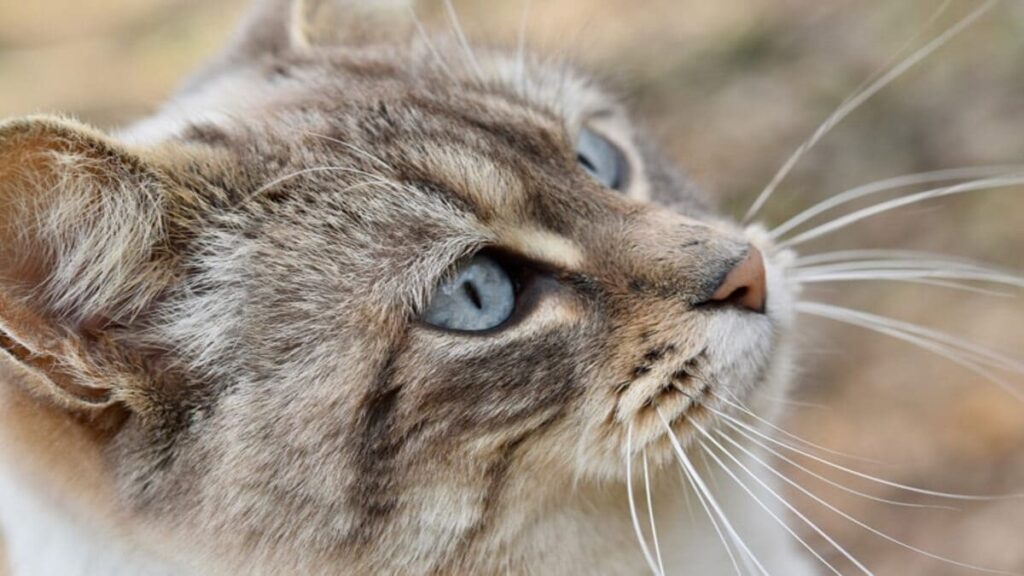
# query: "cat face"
291,398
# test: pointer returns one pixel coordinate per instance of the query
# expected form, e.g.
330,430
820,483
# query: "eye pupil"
473,295
601,159
481,296
586,163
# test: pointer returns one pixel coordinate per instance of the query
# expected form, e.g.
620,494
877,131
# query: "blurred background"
731,87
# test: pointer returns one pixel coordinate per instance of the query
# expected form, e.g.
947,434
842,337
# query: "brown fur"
230,317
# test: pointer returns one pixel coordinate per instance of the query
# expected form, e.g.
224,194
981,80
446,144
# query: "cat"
362,300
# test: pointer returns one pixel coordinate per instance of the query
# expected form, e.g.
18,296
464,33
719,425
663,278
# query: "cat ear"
348,22
277,26
80,249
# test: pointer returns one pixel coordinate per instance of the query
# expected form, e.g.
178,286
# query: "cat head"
357,291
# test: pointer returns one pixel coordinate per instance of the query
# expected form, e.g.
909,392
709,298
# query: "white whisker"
906,46
795,403
959,286
967,354
735,403
793,510
888,185
632,504
944,278
711,479
889,255
374,178
857,100
360,151
857,522
739,426
428,42
698,482
918,265
460,34
688,483
521,47
903,266
840,486
844,221
650,515
686,499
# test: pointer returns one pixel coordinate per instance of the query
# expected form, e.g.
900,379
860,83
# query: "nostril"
745,285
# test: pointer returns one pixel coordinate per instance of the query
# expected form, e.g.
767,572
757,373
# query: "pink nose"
745,284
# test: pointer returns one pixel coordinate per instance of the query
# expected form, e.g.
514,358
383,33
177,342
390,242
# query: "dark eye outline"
602,160
524,292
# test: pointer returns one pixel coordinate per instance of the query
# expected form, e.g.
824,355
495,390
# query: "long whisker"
966,354
864,95
711,479
903,266
857,216
688,482
905,47
905,279
685,462
888,254
428,42
992,274
358,150
919,268
888,185
632,504
650,515
782,500
920,264
735,403
460,34
857,522
374,178
843,487
794,403
745,429
521,49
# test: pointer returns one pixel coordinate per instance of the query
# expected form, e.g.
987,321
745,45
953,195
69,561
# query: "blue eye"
480,296
601,159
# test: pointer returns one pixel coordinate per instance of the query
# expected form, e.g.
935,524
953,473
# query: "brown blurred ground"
731,87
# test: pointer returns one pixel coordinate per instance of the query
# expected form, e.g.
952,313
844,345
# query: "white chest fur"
43,540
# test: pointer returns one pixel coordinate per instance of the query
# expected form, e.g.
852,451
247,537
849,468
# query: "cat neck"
56,516
43,538
591,531
597,536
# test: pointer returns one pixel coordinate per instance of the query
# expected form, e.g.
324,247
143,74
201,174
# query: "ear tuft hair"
82,245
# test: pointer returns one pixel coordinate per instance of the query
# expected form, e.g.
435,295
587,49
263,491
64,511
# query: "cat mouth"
679,403
670,402
675,389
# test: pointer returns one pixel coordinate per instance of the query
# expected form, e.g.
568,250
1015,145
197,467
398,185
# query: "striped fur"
239,276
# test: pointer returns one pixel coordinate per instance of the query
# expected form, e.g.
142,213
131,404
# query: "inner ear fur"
82,247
